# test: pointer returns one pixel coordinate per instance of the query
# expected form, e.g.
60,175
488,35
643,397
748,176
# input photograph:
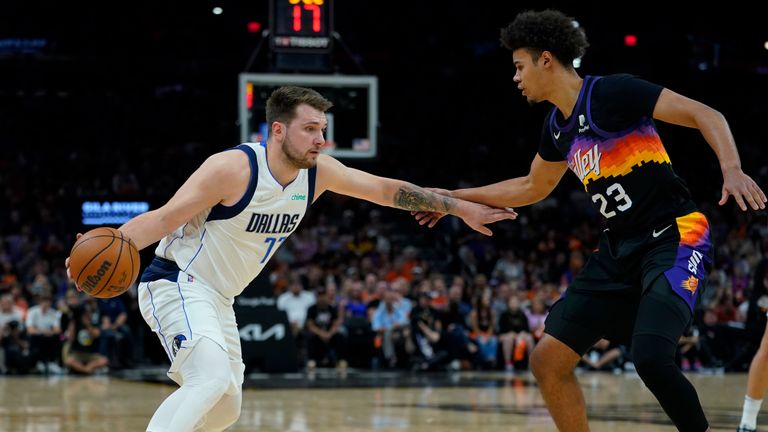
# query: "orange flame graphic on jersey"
690,284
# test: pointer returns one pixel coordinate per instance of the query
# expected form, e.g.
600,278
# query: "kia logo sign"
255,333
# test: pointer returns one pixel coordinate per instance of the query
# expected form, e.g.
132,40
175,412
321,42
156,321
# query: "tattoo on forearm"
418,199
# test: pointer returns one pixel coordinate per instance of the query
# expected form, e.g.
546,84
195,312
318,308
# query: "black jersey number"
618,194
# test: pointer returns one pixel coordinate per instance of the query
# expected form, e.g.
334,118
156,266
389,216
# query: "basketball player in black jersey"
643,282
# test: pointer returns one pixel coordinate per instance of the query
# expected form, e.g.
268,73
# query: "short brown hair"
282,103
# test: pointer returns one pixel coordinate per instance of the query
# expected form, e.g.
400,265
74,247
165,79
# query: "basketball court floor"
364,401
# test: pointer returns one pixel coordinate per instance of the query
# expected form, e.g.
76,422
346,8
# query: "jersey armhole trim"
311,185
220,211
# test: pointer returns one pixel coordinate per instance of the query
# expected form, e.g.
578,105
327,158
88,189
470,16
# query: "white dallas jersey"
226,247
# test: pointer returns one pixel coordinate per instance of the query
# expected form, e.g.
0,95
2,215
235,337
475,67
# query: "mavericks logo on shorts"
177,343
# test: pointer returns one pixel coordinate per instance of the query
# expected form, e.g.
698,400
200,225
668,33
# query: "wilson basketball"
104,262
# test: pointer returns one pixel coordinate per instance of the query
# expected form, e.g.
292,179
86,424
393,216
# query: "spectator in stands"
353,304
403,289
115,342
66,307
45,334
374,300
713,339
514,334
295,302
325,342
458,310
18,359
500,300
740,279
8,276
482,321
536,315
357,326
604,356
9,311
82,353
509,268
393,331
724,306
439,292
369,287
457,329
19,300
479,286
427,334
687,356
14,348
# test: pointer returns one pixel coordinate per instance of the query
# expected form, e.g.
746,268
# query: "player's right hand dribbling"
66,264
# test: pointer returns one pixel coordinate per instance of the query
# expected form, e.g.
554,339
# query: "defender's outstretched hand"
744,190
480,215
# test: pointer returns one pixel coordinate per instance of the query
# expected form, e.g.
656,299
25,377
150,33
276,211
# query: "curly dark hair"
547,30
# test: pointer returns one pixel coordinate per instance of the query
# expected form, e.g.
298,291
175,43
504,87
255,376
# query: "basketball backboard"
352,122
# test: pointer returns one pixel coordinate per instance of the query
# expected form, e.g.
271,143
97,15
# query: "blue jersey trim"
311,185
160,268
572,119
610,135
219,211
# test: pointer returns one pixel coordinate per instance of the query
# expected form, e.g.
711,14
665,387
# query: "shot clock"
301,25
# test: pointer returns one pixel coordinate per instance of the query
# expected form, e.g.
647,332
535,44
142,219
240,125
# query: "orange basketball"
104,262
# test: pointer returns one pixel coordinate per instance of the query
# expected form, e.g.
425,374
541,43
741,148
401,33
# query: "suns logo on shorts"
691,284
177,343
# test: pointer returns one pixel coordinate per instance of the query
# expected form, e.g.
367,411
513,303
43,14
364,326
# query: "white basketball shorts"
181,312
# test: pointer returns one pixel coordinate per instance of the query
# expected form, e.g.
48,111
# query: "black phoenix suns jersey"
611,143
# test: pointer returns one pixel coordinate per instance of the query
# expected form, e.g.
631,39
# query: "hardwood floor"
487,402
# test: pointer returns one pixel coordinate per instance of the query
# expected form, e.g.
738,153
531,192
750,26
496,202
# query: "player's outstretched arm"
334,176
680,110
532,188
521,191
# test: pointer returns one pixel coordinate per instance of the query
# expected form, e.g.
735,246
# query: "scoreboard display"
301,25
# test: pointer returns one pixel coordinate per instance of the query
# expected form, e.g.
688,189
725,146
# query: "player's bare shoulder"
230,172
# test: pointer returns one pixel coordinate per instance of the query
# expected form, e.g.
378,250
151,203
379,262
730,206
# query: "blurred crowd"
362,286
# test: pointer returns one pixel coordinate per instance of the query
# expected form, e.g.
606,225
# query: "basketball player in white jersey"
220,229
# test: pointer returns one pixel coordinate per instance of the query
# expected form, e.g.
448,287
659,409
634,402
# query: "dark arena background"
107,107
